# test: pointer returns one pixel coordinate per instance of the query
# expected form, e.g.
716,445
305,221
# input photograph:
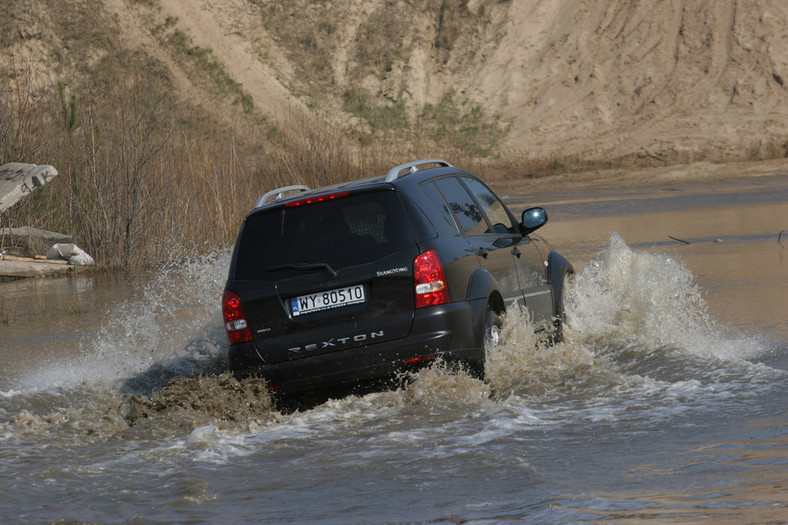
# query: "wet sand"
700,175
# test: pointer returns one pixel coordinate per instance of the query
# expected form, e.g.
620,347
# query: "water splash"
523,365
171,327
215,399
651,300
638,330
636,322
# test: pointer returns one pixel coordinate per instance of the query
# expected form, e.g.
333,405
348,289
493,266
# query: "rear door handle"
516,252
482,252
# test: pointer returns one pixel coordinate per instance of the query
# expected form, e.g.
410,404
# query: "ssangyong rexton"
360,281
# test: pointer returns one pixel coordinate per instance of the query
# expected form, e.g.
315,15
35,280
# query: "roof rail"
412,167
278,193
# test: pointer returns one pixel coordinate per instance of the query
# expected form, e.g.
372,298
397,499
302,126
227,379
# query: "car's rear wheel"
560,315
493,326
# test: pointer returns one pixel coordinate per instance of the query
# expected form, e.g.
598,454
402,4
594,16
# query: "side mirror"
533,219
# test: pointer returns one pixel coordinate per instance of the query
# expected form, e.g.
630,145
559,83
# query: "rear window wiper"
304,266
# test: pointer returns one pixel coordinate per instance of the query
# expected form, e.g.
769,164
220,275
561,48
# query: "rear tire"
560,315
493,326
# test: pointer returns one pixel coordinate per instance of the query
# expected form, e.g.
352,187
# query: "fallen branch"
679,240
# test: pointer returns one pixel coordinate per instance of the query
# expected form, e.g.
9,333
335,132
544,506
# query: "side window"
491,206
432,194
465,211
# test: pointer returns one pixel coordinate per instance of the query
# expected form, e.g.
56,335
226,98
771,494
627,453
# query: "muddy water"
667,401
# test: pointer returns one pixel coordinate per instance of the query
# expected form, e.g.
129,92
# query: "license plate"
315,302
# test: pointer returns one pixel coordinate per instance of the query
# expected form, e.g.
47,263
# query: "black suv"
363,280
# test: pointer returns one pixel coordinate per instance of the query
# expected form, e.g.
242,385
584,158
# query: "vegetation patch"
307,31
204,61
463,125
380,43
390,115
452,16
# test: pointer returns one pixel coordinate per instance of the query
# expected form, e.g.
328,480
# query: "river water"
666,402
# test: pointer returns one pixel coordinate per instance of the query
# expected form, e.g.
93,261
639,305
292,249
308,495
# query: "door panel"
533,281
492,243
529,263
527,276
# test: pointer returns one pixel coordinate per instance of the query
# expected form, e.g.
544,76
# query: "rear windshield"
350,230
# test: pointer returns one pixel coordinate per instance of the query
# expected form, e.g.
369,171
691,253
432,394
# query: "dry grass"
141,179
138,183
144,176
135,184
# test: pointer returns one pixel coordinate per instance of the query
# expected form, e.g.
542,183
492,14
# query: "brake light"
318,198
429,280
235,319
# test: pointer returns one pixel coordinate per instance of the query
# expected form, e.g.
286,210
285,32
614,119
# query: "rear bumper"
453,332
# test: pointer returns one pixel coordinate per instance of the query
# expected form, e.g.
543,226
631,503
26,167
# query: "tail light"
430,280
419,359
235,319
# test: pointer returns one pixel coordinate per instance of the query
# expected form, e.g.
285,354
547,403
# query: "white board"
18,180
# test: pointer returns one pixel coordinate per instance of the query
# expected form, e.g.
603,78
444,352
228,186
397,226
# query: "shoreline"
696,174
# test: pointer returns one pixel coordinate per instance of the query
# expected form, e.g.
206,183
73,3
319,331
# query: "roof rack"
412,167
278,193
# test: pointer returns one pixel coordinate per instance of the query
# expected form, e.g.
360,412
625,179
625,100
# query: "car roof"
404,175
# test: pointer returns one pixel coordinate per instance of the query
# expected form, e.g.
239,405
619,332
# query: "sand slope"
648,82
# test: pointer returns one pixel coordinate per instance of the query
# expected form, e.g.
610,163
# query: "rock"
72,253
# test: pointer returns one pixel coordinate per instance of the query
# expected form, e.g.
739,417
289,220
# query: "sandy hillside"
675,80
652,82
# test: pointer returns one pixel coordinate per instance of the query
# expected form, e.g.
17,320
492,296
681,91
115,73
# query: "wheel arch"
484,295
484,286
